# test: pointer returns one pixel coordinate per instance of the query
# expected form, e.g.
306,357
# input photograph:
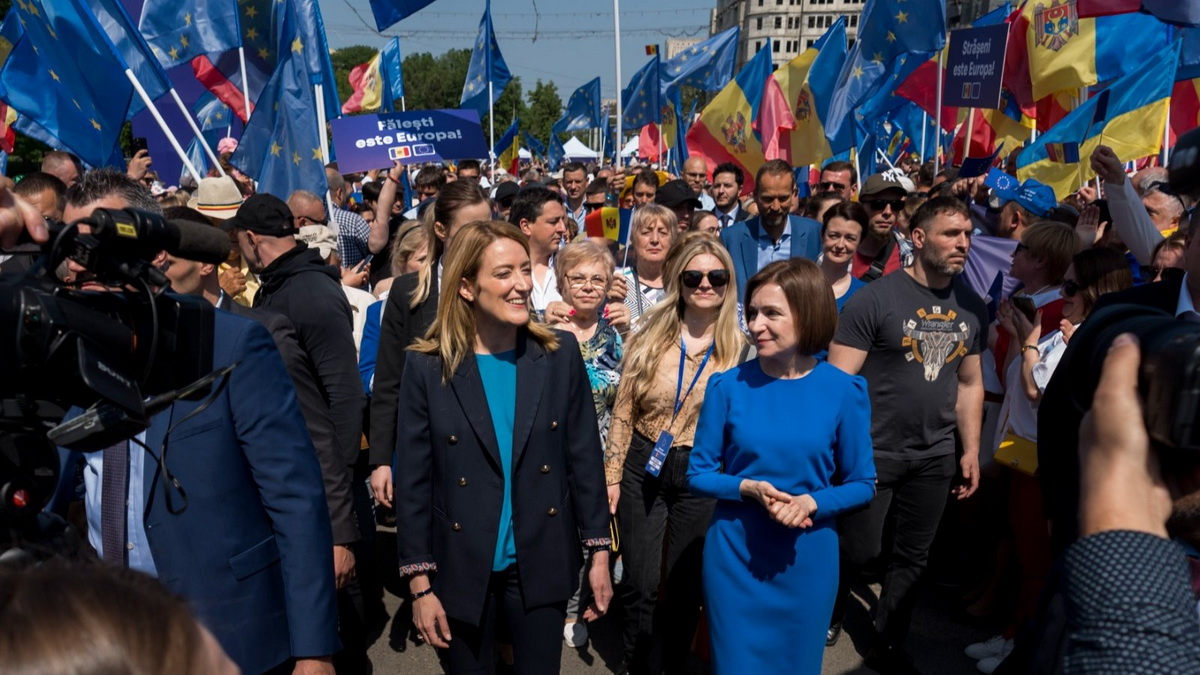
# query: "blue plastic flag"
83,108
707,66
388,12
583,109
281,147
487,66
179,30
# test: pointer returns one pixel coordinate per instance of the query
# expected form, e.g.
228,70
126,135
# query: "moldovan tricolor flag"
724,133
791,119
608,222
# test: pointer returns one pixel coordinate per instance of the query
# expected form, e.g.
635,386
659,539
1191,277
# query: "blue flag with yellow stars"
642,99
583,109
117,24
487,65
179,30
388,12
281,148
82,107
707,66
888,31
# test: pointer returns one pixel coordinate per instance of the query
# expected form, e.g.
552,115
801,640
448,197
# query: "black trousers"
913,493
653,512
535,633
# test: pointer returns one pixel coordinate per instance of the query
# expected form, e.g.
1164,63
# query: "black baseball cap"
264,214
675,193
506,190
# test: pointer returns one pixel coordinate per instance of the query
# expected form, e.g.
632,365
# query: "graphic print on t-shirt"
935,339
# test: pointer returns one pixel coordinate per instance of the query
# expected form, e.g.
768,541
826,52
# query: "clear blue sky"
574,37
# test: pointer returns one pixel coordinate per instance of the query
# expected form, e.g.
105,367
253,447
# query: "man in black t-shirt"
916,337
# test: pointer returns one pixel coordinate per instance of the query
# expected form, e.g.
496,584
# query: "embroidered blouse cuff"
417,568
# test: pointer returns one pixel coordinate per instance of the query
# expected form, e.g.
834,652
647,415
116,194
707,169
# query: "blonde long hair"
450,199
661,324
452,334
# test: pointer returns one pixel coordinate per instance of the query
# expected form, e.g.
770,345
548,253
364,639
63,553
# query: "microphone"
149,233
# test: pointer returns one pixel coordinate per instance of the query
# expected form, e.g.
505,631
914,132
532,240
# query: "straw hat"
217,197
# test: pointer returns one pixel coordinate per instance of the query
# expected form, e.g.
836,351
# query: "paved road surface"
939,633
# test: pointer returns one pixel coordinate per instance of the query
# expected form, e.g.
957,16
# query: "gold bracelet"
1025,348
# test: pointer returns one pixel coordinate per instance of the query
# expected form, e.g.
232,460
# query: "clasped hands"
787,510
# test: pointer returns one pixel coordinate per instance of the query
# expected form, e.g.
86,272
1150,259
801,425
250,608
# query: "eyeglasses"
1071,288
577,282
593,207
693,278
314,221
831,186
881,204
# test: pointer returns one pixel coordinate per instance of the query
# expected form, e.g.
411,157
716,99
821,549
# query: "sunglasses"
693,278
830,186
1070,288
881,204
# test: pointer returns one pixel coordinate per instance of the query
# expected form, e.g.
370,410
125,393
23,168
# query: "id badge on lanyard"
662,446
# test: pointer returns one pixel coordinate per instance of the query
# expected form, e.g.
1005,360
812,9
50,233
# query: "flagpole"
163,125
617,39
1167,139
924,125
187,115
245,82
319,94
970,131
937,155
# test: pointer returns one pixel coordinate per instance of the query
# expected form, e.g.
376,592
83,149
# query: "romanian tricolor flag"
724,132
608,222
991,129
1072,44
1129,116
791,119
508,148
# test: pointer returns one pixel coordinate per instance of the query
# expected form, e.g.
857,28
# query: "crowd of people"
778,387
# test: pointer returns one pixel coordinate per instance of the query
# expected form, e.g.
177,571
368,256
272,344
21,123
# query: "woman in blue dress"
771,552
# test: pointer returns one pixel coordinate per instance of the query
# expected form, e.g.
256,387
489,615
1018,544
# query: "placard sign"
975,67
365,142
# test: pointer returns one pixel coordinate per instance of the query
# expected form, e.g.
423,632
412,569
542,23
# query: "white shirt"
545,291
1018,415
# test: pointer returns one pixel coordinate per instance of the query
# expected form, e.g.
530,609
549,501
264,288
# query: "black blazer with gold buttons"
449,485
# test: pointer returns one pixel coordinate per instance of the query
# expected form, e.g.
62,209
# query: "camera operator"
238,526
1130,603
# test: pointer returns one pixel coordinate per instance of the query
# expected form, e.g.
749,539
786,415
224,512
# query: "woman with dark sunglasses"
683,340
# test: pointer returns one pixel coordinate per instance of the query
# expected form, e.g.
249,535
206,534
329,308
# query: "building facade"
791,25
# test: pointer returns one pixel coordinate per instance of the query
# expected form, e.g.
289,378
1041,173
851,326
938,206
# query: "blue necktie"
114,491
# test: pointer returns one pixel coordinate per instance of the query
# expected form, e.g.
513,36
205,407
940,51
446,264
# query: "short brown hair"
938,206
1055,243
809,296
1099,271
775,167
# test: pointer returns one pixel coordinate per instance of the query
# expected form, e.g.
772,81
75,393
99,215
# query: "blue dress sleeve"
705,475
853,453
369,347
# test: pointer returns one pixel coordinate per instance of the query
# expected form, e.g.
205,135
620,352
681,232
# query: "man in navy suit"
774,234
233,516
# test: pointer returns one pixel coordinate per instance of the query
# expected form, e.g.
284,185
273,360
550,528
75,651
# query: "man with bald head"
695,172
63,166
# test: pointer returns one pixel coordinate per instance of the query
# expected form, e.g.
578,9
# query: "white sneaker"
986,649
575,633
991,663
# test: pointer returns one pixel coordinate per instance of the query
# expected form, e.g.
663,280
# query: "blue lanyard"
679,383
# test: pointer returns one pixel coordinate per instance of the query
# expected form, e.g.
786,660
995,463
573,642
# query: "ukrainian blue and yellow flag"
1129,116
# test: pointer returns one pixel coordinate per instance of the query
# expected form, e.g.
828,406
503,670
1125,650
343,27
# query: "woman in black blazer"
499,475
409,311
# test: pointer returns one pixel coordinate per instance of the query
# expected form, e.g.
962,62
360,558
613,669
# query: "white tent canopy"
575,149
630,148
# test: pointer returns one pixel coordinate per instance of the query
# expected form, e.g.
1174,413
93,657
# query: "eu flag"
281,147
642,99
535,146
132,47
178,30
888,31
583,109
707,66
65,77
388,12
314,48
487,65
557,152
389,67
